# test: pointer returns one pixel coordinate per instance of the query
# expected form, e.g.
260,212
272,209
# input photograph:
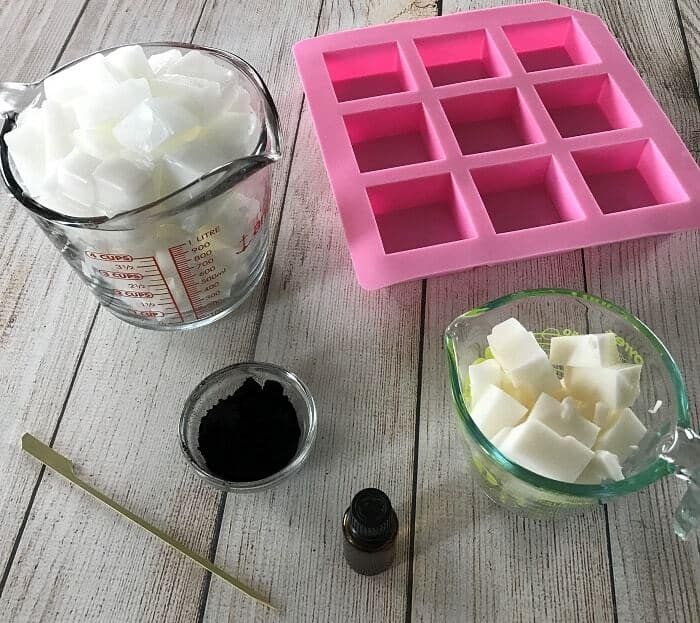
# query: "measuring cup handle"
684,455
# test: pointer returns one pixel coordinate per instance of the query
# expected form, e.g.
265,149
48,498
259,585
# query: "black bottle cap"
370,516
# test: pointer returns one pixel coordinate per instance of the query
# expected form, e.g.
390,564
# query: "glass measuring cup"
186,259
669,447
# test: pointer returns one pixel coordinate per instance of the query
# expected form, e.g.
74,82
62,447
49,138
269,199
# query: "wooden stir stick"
63,466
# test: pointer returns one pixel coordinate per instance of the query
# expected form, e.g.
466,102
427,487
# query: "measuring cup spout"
683,453
16,96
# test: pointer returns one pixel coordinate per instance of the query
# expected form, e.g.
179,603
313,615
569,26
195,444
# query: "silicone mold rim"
374,267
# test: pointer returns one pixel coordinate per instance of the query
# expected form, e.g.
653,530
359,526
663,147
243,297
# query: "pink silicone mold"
490,136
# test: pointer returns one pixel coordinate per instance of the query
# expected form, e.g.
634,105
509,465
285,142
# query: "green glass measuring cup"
669,447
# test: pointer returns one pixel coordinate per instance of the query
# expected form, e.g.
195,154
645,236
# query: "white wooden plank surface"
358,351
42,321
480,551
134,433
689,12
656,576
473,561
58,516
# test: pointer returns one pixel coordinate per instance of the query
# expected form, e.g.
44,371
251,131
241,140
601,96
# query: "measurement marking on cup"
138,280
196,266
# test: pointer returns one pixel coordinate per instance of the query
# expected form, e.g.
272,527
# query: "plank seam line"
276,233
204,599
42,471
283,201
40,477
416,439
199,20
213,547
71,32
608,545
612,568
686,48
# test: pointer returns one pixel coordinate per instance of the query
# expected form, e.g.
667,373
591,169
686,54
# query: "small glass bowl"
223,383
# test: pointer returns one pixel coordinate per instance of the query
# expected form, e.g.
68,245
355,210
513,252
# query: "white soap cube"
190,162
546,409
596,412
500,436
496,410
201,97
481,375
141,130
617,386
524,395
603,466
175,117
536,375
162,62
129,62
59,123
111,104
237,214
122,185
152,123
626,431
601,414
74,177
236,133
513,345
235,98
32,116
53,198
563,418
584,350
96,142
27,148
79,80
574,424
538,448
196,64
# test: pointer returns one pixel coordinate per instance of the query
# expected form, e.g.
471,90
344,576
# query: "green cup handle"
683,453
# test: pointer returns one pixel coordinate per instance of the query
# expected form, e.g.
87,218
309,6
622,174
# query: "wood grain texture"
689,16
64,527
358,352
656,576
474,561
41,336
131,448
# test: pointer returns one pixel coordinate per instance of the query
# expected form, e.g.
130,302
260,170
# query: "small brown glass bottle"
370,526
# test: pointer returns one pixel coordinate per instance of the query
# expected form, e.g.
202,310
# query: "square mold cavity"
365,72
628,176
550,44
419,213
460,57
392,137
490,121
586,105
522,195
